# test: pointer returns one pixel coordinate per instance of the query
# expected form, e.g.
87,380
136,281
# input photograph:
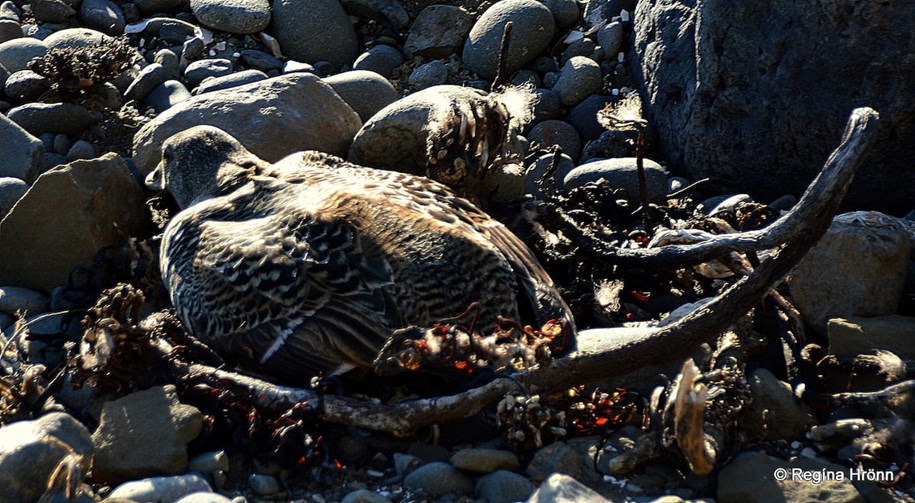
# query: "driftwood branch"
895,396
601,357
832,180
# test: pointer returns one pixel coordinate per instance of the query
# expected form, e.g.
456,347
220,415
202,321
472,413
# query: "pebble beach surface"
90,90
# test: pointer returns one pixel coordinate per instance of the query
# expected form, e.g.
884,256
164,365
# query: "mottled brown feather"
311,263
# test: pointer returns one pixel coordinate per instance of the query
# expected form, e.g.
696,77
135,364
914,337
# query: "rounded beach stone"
547,106
51,11
266,115
15,54
315,30
621,173
11,190
538,184
438,31
433,73
170,63
381,59
76,38
166,95
556,132
437,479
610,39
233,16
103,15
211,84
158,6
404,123
532,31
14,299
504,487
81,149
149,78
160,488
260,60
67,118
199,70
584,116
485,460
9,30
566,12
26,85
579,78
366,92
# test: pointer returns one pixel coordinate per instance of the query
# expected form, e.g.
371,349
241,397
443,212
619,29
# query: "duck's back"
316,264
444,251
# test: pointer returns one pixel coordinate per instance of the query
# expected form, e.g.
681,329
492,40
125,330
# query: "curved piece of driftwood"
792,235
811,206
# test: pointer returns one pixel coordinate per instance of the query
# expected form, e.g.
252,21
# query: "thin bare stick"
501,72
643,183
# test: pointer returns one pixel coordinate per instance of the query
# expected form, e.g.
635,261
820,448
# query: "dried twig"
795,233
501,72
684,190
643,183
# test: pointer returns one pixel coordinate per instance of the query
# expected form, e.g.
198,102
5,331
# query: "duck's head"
200,163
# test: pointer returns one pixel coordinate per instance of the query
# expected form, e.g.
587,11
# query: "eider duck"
308,265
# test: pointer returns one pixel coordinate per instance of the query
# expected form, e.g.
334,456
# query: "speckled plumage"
308,265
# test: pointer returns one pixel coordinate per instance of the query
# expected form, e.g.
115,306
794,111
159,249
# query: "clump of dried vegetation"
72,70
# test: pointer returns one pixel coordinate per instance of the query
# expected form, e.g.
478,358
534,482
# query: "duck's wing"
440,202
264,287
534,282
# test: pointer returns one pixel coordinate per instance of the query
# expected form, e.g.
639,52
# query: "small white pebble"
796,445
573,36
624,15
236,54
615,481
142,42
615,92
220,46
621,57
212,52
203,33
809,453
374,473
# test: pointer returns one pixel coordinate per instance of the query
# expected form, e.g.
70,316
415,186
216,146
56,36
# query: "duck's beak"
154,179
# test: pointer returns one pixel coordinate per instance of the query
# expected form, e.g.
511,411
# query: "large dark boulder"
758,92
